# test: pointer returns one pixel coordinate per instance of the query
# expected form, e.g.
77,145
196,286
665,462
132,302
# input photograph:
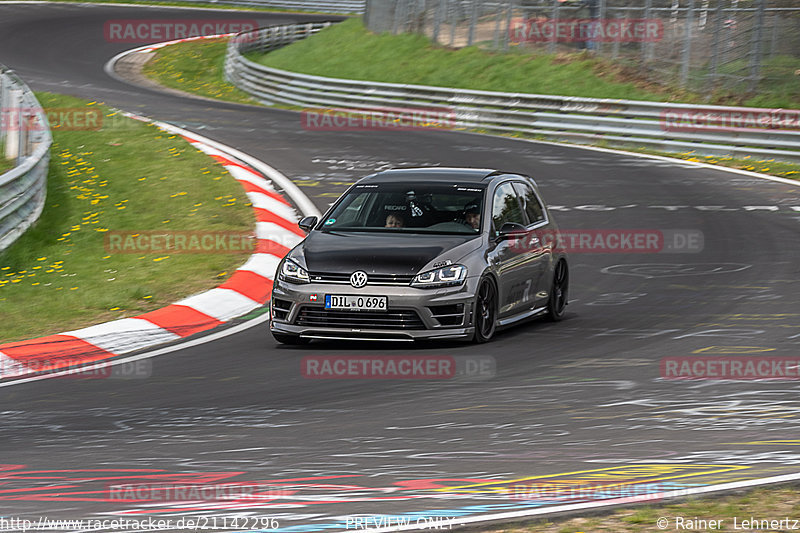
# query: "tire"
485,314
292,340
559,291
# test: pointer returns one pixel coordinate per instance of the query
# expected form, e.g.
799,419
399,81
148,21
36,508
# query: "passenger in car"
395,220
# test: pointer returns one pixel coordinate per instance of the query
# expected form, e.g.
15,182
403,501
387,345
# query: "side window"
506,207
352,214
530,202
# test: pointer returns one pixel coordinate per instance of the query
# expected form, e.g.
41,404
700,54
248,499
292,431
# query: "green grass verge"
127,176
409,58
196,67
779,86
764,504
414,59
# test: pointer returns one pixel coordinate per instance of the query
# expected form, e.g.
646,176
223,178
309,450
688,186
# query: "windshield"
412,208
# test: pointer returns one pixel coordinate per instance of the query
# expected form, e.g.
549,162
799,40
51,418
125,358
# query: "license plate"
355,303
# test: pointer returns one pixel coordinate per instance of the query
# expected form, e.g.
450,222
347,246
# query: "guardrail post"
265,40
25,124
14,103
4,83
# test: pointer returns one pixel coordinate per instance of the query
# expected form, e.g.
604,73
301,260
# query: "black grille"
372,279
326,318
448,315
280,308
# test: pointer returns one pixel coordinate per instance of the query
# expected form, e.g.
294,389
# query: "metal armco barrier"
707,130
25,138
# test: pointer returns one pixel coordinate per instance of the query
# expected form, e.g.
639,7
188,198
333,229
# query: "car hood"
384,253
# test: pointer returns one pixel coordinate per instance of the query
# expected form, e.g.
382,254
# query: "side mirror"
511,230
307,223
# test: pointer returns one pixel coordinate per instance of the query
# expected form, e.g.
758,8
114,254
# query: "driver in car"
472,214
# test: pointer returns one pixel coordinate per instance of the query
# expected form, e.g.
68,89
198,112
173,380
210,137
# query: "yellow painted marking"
462,409
733,349
768,442
773,316
652,472
693,288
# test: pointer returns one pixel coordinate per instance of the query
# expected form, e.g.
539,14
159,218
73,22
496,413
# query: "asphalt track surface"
571,401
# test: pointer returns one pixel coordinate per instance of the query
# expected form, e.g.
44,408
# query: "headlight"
293,273
441,277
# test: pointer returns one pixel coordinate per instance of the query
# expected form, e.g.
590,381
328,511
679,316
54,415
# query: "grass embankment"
197,67
760,504
411,58
414,59
127,176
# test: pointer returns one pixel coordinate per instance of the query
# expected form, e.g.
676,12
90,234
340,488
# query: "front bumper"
445,313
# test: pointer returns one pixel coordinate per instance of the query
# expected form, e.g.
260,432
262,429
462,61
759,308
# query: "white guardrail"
707,130
25,140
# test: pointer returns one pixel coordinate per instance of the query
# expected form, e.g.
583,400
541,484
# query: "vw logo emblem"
358,279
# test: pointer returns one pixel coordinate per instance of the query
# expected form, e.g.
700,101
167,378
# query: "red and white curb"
249,287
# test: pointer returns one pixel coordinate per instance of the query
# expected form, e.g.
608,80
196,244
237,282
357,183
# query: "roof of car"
435,174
